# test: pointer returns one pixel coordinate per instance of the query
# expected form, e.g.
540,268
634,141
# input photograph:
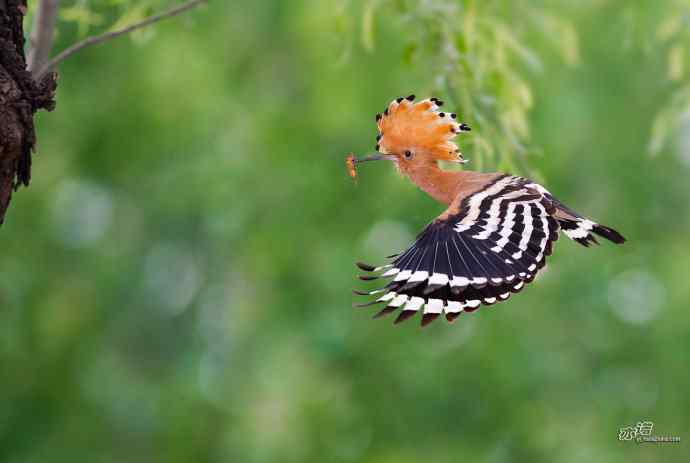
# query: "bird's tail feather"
580,229
584,230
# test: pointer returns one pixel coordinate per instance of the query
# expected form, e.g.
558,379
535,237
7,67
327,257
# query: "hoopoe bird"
491,240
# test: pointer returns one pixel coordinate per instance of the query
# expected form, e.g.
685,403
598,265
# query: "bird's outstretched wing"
486,246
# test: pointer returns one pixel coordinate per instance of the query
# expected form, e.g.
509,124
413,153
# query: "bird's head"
416,134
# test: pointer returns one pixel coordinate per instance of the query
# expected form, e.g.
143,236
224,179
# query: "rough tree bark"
20,97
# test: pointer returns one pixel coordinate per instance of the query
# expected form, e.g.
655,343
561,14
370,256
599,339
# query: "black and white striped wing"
492,247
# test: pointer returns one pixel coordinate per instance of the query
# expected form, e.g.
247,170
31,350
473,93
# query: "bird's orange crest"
422,126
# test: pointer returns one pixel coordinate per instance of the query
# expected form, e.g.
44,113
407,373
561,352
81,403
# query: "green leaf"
368,25
676,62
662,126
83,16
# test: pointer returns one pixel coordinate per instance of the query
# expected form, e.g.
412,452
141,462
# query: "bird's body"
491,240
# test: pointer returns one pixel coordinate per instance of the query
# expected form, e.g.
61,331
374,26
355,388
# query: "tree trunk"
20,97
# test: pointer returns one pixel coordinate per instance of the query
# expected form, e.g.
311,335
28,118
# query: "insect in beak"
375,157
351,161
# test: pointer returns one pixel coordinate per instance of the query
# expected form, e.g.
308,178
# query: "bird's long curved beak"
376,157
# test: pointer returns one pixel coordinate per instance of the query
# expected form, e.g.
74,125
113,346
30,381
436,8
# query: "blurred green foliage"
176,280
475,56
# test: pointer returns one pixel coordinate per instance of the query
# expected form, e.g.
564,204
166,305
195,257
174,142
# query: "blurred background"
176,281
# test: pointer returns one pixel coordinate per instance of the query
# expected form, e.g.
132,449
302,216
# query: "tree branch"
42,33
96,39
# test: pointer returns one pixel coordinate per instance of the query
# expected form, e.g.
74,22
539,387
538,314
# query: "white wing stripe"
414,304
507,229
582,230
390,272
404,275
434,306
527,232
438,279
399,300
387,297
545,225
453,307
461,282
419,275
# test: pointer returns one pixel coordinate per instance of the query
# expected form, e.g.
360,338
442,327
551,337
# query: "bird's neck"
441,185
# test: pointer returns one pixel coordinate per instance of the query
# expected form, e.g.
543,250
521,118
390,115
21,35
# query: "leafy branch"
28,85
97,39
478,59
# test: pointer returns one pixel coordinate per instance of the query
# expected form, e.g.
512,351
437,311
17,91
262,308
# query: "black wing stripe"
412,266
404,257
479,276
405,262
498,268
465,272
451,272
441,273
513,267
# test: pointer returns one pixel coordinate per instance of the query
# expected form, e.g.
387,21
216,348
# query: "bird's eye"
408,154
